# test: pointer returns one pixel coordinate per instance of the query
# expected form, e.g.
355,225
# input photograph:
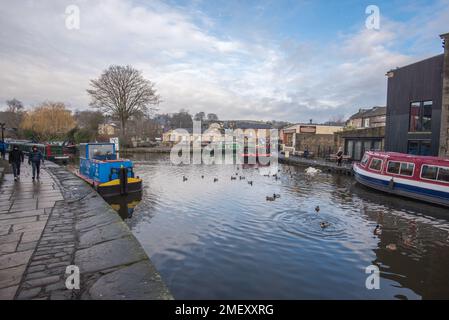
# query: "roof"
292,126
368,113
441,55
246,124
409,157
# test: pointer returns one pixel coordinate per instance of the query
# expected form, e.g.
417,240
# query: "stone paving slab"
60,222
21,224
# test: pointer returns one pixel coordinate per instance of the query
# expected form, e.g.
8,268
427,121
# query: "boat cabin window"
83,151
401,168
393,167
100,151
443,174
364,160
429,172
407,169
376,164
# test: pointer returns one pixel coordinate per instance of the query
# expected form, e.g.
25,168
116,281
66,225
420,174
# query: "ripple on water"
307,225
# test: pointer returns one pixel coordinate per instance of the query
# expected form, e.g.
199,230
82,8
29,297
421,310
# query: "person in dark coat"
2,149
16,157
339,156
35,158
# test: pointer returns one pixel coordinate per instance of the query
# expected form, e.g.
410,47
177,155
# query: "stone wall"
320,144
444,130
83,230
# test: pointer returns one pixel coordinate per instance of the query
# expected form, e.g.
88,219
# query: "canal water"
224,240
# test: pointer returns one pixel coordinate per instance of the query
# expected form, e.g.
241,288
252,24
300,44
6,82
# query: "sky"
290,60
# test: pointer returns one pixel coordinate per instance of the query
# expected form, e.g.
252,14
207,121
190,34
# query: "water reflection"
224,240
125,204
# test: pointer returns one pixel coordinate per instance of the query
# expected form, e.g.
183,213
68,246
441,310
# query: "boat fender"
391,184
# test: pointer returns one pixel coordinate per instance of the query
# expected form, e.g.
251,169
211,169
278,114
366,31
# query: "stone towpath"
58,221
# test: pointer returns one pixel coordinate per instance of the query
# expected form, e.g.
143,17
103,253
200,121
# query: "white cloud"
261,78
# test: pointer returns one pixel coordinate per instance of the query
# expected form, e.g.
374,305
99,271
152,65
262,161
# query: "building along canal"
224,240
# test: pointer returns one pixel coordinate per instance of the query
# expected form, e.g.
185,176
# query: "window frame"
367,160
420,116
438,171
400,168
381,164
438,174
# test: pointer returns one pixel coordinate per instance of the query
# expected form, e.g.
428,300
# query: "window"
420,116
429,172
358,150
366,123
393,167
350,149
366,146
414,117
376,164
427,116
402,168
424,149
443,174
419,147
377,145
365,160
96,151
407,169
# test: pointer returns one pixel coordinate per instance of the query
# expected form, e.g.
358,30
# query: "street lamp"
2,125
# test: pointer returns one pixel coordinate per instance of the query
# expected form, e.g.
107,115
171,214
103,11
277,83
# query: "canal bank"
326,166
59,221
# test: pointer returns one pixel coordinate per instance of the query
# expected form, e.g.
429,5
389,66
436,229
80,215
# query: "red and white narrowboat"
419,177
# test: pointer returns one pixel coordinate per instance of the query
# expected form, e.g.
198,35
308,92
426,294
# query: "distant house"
215,131
186,135
108,129
368,118
364,131
317,139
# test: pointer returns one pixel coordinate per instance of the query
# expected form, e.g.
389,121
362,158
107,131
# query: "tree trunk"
123,131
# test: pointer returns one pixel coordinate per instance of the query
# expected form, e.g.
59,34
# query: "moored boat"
101,168
55,153
419,177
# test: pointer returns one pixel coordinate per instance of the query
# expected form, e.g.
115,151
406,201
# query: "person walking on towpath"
339,156
15,159
2,149
35,157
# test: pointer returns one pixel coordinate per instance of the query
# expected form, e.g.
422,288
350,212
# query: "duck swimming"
276,195
242,178
250,182
233,178
324,224
270,198
377,231
215,179
317,209
184,178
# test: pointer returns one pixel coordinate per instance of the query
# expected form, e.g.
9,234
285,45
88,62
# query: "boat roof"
408,157
96,143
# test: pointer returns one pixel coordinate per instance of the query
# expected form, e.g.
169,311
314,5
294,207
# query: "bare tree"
122,92
212,117
14,105
200,116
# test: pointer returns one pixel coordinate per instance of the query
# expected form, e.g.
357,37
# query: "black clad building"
416,119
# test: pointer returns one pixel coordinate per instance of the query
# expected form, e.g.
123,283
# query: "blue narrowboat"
109,175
